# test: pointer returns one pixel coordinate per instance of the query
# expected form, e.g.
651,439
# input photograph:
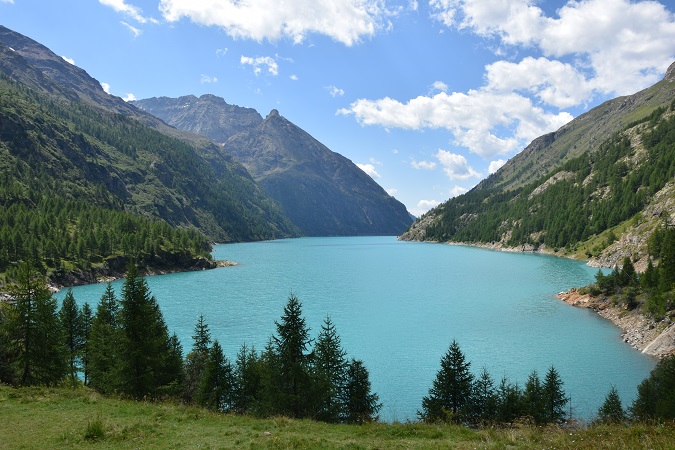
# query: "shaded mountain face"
94,147
323,193
596,188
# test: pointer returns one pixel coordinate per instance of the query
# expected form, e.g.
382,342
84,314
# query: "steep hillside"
596,188
323,193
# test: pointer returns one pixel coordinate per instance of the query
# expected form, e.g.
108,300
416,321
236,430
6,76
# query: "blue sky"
427,96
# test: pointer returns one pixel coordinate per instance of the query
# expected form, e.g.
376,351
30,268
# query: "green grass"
81,418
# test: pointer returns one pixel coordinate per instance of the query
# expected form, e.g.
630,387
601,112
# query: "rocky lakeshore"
654,338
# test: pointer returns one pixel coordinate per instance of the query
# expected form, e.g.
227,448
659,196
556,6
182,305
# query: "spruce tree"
484,399
611,410
361,405
555,399
290,363
41,355
71,323
510,403
533,396
216,389
330,369
145,338
196,359
105,345
451,390
87,322
656,394
247,380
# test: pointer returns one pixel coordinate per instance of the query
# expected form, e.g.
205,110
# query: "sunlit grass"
80,418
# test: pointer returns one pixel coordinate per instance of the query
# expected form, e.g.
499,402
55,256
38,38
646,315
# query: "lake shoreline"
653,338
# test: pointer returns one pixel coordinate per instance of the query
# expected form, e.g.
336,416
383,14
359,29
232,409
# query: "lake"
398,305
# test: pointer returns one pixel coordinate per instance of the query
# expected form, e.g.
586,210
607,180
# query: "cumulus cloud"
345,21
261,62
476,119
208,79
129,98
335,91
122,7
456,167
457,191
599,34
370,170
440,86
106,87
293,77
424,206
68,60
423,165
135,31
495,165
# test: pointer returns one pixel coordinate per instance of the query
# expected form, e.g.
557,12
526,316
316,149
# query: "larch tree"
195,361
104,346
71,323
87,322
216,389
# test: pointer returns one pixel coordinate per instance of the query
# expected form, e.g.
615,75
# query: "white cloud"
345,21
456,167
129,98
369,169
423,165
68,60
424,206
11,2
440,86
293,77
208,79
475,119
495,165
335,91
392,191
260,62
106,87
221,52
601,34
122,7
457,191
135,31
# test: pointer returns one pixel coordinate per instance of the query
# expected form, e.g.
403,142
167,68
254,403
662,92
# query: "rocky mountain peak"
670,73
273,113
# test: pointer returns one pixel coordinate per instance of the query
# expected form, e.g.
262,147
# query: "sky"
427,96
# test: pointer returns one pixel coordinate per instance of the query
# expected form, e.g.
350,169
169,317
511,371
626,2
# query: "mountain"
596,188
88,146
322,192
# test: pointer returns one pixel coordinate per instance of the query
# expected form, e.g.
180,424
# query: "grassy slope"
61,418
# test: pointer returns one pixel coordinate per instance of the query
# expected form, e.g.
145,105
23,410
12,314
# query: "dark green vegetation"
605,175
88,182
322,192
125,349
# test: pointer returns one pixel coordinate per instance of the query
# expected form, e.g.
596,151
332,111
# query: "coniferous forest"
122,347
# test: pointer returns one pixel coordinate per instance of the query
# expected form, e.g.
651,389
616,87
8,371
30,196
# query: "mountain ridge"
323,193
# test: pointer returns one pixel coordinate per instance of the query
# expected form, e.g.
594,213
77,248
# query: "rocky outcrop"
651,337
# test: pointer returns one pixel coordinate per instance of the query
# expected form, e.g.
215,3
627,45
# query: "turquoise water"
398,305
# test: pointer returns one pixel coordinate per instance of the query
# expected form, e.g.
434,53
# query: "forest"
591,193
124,349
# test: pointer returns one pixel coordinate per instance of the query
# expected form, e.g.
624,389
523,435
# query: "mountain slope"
595,188
322,192
59,121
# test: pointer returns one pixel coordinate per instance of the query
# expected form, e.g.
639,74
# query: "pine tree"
196,360
555,399
451,390
330,369
145,338
216,389
290,369
105,345
71,323
41,354
247,380
484,399
87,322
360,404
611,411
